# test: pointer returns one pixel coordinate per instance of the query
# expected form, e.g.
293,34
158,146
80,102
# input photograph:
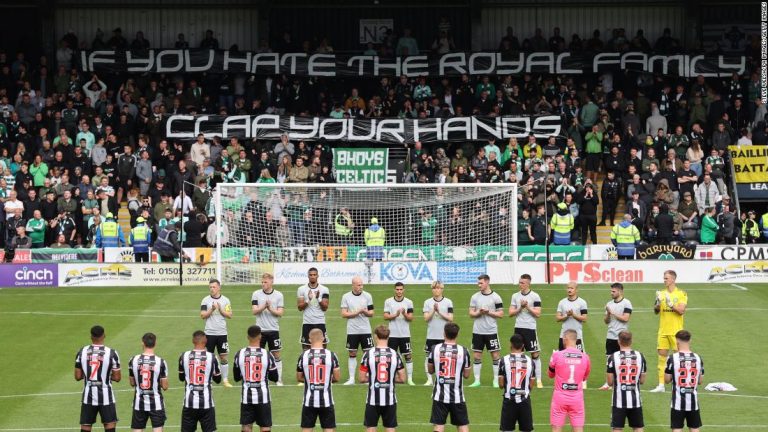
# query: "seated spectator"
709,226
60,243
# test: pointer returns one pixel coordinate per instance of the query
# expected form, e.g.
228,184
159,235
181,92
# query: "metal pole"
547,235
181,251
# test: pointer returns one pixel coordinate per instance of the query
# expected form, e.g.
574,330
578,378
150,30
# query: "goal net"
385,233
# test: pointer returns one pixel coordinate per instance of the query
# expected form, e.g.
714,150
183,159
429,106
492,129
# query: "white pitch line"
740,287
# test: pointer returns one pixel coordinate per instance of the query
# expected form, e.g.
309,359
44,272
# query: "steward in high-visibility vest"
167,244
140,239
562,225
375,237
625,237
750,232
343,225
109,233
764,225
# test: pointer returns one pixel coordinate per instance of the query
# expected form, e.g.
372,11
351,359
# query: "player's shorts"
261,414
530,339
430,343
306,328
401,344
190,417
388,415
611,346
310,415
271,340
573,410
218,343
516,413
579,345
485,341
88,413
634,416
140,418
666,342
441,410
678,419
364,341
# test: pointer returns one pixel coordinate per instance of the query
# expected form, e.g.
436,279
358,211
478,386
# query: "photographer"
64,224
588,202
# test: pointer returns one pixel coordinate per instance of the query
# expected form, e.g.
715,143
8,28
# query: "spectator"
406,45
709,226
299,173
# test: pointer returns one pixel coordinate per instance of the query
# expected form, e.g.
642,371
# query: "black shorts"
483,341
458,412
401,344
633,416
108,414
430,343
530,339
217,343
190,417
579,345
139,419
364,341
310,415
306,328
261,414
678,419
516,413
388,415
271,340
612,346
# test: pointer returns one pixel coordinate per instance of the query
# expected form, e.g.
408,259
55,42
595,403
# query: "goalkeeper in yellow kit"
670,306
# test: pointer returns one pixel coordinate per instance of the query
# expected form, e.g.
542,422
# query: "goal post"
389,232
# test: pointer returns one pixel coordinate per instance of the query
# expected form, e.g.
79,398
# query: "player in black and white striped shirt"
98,365
516,375
255,365
317,368
381,368
197,368
149,374
451,362
625,373
684,370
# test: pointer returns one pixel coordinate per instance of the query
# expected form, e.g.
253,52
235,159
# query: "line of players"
317,369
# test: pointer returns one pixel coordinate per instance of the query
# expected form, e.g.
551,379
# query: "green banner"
65,255
360,165
402,253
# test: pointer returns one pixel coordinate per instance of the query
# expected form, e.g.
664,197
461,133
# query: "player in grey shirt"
485,307
438,311
398,310
618,311
268,305
357,309
572,312
525,306
215,309
312,299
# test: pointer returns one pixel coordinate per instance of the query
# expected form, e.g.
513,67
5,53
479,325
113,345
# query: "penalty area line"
743,288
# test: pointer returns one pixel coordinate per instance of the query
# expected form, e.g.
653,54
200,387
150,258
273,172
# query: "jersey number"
571,378
317,374
688,377
518,375
196,373
95,365
253,370
447,367
146,377
382,372
628,374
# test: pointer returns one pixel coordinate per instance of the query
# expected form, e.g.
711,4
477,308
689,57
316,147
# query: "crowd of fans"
74,146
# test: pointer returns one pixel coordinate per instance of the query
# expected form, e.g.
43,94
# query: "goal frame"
367,186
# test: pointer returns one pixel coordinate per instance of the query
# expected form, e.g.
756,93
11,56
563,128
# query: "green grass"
43,328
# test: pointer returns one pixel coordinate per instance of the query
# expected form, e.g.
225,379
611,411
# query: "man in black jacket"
665,224
588,202
609,193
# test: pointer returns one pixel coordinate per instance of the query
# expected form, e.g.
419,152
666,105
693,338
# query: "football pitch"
42,329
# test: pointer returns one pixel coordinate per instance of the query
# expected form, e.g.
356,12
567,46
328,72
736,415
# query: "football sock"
352,365
225,371
537,366
495,370
662,365
476,368
409,369
279,365
426,368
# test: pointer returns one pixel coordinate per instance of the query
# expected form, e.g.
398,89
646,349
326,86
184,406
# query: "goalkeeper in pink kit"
570,368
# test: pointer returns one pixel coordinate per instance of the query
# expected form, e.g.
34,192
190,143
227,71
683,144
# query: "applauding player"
516,374
381,368
398,310
618,311
485,308
255,366
148,373
526,307
670,306
438,311
268,306
357,309
216,309
312,300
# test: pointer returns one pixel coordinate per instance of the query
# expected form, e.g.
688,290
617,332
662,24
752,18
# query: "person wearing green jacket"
594,150
709,227
36,230
39,171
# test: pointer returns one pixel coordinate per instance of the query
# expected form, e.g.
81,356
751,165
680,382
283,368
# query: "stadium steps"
604,232
124,220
